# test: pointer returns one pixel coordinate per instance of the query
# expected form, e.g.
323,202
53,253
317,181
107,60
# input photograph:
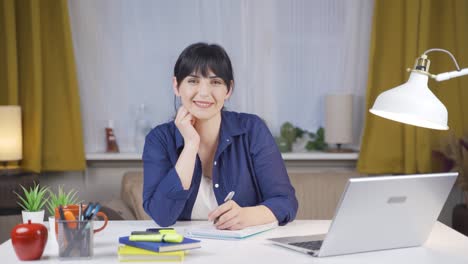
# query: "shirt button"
216,185
227,140
215,163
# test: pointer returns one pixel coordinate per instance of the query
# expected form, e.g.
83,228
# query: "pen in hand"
228,198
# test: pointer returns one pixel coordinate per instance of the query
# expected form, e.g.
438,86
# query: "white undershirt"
206,200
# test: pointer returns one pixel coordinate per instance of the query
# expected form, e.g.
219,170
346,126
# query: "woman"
193,162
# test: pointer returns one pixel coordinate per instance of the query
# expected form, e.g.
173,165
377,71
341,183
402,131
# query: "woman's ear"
228,95
175,86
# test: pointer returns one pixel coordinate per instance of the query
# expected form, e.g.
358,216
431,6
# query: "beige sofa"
318,192
130,207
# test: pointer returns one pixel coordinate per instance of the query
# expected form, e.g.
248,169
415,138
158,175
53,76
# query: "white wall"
286,55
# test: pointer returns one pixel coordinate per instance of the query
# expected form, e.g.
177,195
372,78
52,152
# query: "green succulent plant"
32,199
61,198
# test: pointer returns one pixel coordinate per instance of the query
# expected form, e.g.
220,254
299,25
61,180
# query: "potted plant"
55,200
460,212
309,141
32,201
453,156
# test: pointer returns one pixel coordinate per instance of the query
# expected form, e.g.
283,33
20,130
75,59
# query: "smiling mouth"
202,104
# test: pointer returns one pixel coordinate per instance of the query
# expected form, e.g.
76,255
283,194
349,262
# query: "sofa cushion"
132,193
117,210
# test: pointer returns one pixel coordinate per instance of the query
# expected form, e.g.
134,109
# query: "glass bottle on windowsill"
142,128
111,140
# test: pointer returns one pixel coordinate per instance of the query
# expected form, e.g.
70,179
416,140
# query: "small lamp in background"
412,102
11,145
339,121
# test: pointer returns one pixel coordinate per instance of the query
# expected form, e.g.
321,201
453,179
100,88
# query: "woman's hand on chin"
185,123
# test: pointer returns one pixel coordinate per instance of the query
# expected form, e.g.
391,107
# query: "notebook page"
210,231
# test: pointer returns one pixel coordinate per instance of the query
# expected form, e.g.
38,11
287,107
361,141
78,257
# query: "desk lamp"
11,147
412,102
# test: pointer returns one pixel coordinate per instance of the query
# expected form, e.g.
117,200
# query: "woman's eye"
217,82
193,81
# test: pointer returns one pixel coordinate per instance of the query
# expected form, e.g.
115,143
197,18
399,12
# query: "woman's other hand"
185,122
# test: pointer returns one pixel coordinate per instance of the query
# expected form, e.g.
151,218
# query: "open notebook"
210,231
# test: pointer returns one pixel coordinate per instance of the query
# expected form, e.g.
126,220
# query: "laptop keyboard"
312,245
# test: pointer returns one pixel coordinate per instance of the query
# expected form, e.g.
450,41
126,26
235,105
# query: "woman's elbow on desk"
284,209
163,222
162,219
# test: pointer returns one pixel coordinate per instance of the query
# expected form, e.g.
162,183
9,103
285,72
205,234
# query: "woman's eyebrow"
198,76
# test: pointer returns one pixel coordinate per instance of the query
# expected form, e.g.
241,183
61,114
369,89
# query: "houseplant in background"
460,212
32,201
286,138
452,155
290,133
55,200
317,140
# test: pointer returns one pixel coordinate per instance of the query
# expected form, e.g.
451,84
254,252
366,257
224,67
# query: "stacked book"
155,245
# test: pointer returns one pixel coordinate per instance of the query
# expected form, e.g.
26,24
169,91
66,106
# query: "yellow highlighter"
167,231
168,238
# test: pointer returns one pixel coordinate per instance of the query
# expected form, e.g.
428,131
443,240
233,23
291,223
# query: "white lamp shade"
412,103
11,146
338,119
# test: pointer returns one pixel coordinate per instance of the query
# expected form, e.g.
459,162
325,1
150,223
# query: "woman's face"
202,97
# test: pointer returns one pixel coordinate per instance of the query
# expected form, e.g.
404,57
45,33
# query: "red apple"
29,240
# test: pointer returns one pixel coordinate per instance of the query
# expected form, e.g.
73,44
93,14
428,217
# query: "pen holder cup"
74,208
75,239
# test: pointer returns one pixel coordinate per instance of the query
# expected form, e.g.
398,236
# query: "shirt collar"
230,127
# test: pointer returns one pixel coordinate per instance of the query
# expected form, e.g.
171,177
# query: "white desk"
443,246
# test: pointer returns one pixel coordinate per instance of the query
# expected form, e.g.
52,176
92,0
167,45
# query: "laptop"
377,213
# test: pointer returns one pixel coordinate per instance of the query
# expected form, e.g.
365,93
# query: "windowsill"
316,155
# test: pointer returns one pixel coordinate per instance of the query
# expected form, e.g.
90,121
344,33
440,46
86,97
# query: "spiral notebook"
210,231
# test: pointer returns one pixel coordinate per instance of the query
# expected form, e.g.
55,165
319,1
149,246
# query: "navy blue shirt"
246,161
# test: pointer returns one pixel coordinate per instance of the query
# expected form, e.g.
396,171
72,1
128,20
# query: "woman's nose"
204,90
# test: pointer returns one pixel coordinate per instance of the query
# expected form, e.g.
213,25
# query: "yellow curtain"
403,30
37,71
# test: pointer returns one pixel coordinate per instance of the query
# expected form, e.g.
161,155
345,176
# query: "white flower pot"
35,217
52,236
52,228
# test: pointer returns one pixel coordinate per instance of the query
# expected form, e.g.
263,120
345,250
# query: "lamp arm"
449,75
445,51
446,75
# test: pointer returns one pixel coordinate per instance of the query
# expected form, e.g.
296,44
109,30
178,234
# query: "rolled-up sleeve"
164,197
277,192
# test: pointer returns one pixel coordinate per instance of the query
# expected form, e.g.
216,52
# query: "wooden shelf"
286,156
112,156
318,155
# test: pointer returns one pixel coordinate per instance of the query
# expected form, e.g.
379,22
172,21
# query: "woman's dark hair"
200,58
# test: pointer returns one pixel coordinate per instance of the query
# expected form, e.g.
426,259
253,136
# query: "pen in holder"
88,211
75,238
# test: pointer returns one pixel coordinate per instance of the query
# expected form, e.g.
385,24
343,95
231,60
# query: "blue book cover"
186,244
